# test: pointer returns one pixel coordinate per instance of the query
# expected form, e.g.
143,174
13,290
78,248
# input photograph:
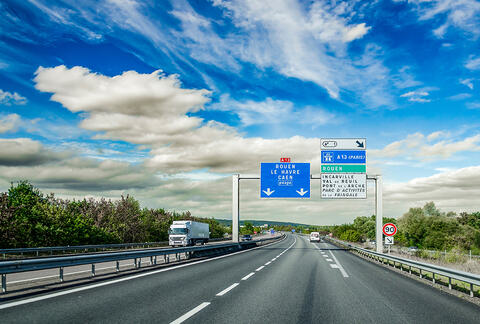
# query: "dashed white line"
62,293
274,259
186,316
325,256
248,276
260,268
268,263
226,290
333,265
329,260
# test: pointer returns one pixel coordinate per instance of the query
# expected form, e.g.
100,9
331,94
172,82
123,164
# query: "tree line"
28,218
426,228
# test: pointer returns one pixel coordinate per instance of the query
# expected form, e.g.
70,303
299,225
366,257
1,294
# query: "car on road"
315,237
247,237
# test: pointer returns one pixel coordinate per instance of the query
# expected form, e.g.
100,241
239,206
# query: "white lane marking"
274,259
248,276
342,270
260,268
268,263
329,260
66,292
223,292
333,265
344,273
186,316
325,256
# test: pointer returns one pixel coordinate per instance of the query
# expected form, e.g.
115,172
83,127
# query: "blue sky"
166,99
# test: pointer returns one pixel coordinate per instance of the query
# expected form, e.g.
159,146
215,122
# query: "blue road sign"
285,180
293,230
343,157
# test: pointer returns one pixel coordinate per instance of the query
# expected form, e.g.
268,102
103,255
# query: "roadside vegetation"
426,228
28,218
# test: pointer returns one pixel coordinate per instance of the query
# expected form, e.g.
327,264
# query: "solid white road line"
106,283
223,292
248,276
260,268
186,316
344,273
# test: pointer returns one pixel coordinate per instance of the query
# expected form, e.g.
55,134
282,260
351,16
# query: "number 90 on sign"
389,229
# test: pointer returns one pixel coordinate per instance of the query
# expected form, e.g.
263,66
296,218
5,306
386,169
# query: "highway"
292,281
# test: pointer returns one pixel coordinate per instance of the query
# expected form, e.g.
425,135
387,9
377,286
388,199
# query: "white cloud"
473,63
416,96
456,190
271,111
26,152
9,123
473,105
152,109
461,14
435,146
460,96
467,82
8,98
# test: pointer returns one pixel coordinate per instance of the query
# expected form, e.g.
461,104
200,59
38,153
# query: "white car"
314,237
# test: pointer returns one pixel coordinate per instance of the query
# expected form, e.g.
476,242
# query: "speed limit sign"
389,229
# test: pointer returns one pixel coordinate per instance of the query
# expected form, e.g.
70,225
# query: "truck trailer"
186,233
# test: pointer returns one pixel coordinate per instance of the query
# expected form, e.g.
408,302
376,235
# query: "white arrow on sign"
268,192
301,192
388,239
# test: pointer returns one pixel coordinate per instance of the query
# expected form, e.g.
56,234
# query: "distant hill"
228,222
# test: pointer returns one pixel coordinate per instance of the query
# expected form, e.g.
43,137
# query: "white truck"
186,233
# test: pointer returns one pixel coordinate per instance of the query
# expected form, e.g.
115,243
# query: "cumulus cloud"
8,98
26,152
152,109
435,146
9,123
453,190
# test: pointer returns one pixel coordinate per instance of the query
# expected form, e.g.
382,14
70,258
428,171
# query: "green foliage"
247,228
28,219
426,228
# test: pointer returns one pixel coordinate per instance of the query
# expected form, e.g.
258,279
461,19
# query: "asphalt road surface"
293,281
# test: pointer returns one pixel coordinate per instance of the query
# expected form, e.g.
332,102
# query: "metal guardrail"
15,266
37,251
467,277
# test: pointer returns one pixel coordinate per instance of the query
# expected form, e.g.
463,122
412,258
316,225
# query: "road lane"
288,282
161,297
303,287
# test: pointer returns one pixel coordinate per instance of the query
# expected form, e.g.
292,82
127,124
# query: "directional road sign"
343,144
285,180
344,185
389,229
343,157
343,168
389,240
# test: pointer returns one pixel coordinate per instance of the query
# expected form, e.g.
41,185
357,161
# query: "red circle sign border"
394,226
